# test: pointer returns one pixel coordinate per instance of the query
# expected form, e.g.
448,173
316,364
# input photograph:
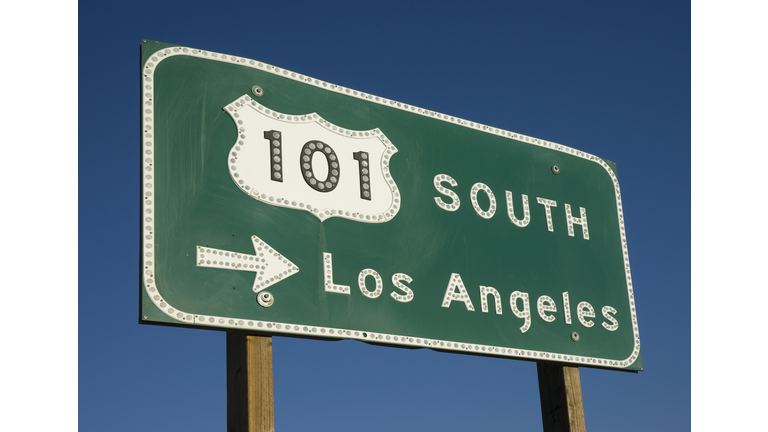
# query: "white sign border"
148,209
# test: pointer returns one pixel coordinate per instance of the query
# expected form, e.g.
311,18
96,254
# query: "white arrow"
270,267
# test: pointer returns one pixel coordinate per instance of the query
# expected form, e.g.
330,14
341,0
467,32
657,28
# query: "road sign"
283,204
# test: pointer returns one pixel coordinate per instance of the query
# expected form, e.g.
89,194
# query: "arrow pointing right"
268,264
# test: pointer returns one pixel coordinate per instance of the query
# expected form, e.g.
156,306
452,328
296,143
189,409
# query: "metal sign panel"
279,203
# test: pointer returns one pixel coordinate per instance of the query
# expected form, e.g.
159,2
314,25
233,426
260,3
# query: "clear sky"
609,78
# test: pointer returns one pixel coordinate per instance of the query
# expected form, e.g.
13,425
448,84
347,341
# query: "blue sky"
609,78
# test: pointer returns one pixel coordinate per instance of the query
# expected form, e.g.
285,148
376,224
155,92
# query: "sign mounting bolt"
265,299
257,91
575,336
555,169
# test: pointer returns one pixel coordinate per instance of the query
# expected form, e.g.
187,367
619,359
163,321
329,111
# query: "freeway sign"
279,203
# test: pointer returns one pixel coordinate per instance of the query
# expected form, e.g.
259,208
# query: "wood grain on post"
562,409
250,388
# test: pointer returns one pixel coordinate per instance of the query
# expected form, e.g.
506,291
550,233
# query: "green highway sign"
282,204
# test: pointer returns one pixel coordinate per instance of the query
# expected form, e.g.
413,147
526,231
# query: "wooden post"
250,388
560,393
